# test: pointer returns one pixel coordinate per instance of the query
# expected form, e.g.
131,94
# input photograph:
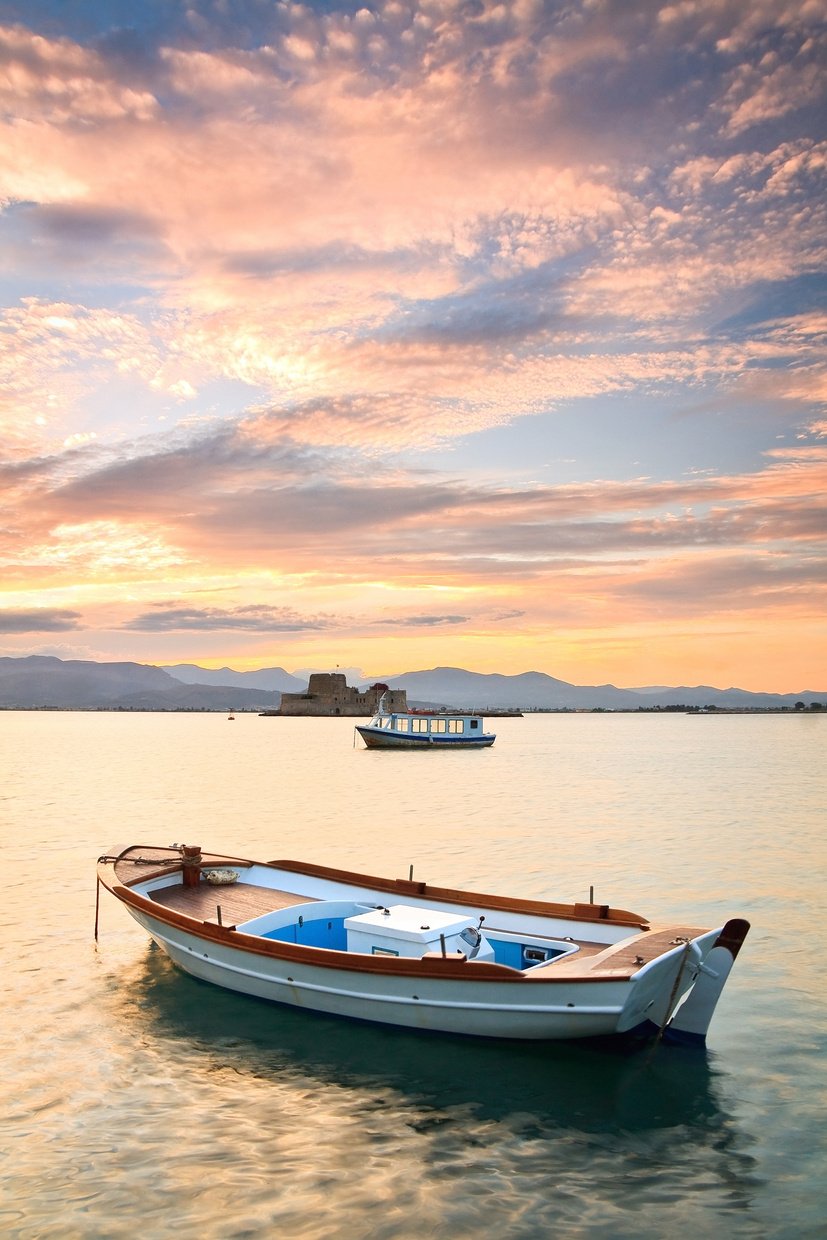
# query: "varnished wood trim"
403,886
396,886
460,971
319,956
732,936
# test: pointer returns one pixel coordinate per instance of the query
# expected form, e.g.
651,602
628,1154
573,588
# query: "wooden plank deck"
621,960
238,901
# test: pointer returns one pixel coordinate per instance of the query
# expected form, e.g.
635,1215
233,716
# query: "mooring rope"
671,1004
106,860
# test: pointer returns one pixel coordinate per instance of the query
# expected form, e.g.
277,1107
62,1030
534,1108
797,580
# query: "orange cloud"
384,328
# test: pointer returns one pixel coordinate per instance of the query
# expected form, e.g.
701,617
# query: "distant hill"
77,684
42,681
529,690
536,691
273,679
202,697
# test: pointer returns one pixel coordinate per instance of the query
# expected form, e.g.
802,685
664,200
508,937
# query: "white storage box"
403,930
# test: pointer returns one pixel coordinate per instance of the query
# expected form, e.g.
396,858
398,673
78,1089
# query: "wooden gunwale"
193,909
471,899
600,913
319,956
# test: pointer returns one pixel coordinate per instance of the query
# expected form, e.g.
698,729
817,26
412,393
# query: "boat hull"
382,738
477,1009
405,953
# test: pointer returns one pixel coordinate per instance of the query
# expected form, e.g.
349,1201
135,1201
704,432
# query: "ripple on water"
138,1101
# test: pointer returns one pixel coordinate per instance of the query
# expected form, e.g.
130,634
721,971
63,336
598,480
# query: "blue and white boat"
424,729
409,953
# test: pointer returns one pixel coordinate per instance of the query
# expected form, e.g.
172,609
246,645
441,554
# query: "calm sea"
137,1101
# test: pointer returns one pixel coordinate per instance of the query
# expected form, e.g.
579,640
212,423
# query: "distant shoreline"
815,708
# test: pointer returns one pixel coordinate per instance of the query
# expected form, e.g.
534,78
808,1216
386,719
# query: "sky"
424,333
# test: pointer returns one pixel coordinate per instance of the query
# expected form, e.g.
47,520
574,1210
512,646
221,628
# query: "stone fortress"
328,693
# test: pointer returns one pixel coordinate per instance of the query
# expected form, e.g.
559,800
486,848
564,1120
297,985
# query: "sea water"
138,1101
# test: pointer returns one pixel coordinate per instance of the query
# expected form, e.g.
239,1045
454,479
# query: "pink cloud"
387,233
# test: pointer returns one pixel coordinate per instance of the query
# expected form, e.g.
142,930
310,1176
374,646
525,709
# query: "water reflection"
574,1086
517,1140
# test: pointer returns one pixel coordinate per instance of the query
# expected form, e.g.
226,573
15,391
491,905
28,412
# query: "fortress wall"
328,693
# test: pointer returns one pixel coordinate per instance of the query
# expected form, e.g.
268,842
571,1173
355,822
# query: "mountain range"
42,681
45,682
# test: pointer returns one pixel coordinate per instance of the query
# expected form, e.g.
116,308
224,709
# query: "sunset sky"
421,333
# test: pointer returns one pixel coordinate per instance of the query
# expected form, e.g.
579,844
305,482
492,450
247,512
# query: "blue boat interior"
326,927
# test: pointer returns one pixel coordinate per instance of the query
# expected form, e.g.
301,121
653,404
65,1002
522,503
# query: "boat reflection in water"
618,1124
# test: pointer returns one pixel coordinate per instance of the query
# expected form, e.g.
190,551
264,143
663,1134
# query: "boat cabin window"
474,723
438,725
419,725
402,724
455,725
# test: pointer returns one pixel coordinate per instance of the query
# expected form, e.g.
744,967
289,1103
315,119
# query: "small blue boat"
424,730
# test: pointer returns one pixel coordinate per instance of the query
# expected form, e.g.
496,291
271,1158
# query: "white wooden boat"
403,952
424,729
